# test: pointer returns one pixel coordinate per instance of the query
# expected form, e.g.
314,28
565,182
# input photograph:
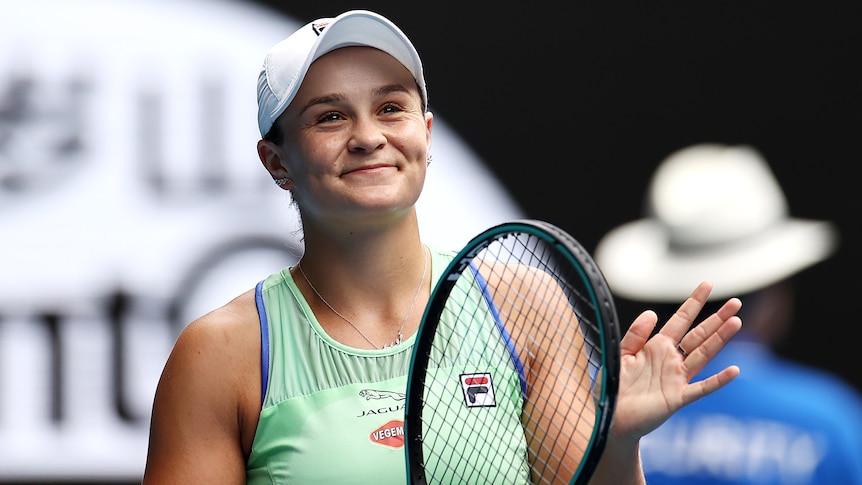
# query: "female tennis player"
302,379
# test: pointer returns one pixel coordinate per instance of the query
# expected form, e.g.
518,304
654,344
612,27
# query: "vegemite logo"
390,434
478,390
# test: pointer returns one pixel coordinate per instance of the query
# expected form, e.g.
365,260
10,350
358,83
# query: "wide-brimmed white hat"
717,213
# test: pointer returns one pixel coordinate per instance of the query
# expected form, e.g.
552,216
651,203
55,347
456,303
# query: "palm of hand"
655,376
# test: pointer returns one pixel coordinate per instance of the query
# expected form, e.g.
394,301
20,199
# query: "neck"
375,304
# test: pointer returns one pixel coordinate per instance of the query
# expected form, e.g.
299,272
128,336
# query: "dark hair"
274,134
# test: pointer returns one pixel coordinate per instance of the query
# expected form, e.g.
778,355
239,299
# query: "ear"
429,122
272,157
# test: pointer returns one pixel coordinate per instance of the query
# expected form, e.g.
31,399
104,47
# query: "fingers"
711,340
638,333
700,335
697,390
706,339
681,321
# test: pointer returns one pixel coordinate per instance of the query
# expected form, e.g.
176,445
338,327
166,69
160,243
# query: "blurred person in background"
717,212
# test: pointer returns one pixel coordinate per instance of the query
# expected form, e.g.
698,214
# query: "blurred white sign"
132,200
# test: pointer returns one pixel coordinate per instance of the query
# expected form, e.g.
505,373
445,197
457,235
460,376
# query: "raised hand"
656,373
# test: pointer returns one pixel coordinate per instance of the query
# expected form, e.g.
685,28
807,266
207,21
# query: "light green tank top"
335,414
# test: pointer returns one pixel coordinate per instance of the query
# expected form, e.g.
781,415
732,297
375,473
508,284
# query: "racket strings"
558,402
469,436
461,348
572,347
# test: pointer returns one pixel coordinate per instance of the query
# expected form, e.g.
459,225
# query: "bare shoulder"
521,279
226,337
207,402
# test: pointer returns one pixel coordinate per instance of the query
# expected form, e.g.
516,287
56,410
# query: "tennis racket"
515,366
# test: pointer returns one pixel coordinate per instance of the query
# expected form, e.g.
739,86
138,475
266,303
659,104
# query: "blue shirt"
778,423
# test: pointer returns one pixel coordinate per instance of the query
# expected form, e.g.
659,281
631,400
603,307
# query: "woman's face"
356,139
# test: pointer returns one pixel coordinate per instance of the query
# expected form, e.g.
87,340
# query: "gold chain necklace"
400,336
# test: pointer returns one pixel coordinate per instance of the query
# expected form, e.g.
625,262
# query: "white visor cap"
287,62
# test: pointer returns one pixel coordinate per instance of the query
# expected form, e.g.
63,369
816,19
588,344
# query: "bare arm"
559,411
203,413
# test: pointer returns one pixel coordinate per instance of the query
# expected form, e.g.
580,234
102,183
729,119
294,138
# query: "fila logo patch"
478,390
390,434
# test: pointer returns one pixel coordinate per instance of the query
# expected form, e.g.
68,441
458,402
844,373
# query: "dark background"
574,107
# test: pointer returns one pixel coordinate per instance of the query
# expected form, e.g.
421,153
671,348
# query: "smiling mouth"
369,168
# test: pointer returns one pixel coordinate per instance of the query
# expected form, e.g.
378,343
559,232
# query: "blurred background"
132,200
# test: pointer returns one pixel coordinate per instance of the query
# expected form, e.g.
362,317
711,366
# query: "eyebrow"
389,89
325,99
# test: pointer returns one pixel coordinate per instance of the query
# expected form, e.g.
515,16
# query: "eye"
391,108
330,116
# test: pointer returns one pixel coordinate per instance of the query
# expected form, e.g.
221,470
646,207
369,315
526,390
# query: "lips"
369,168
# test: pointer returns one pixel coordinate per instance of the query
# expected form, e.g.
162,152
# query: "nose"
366,135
